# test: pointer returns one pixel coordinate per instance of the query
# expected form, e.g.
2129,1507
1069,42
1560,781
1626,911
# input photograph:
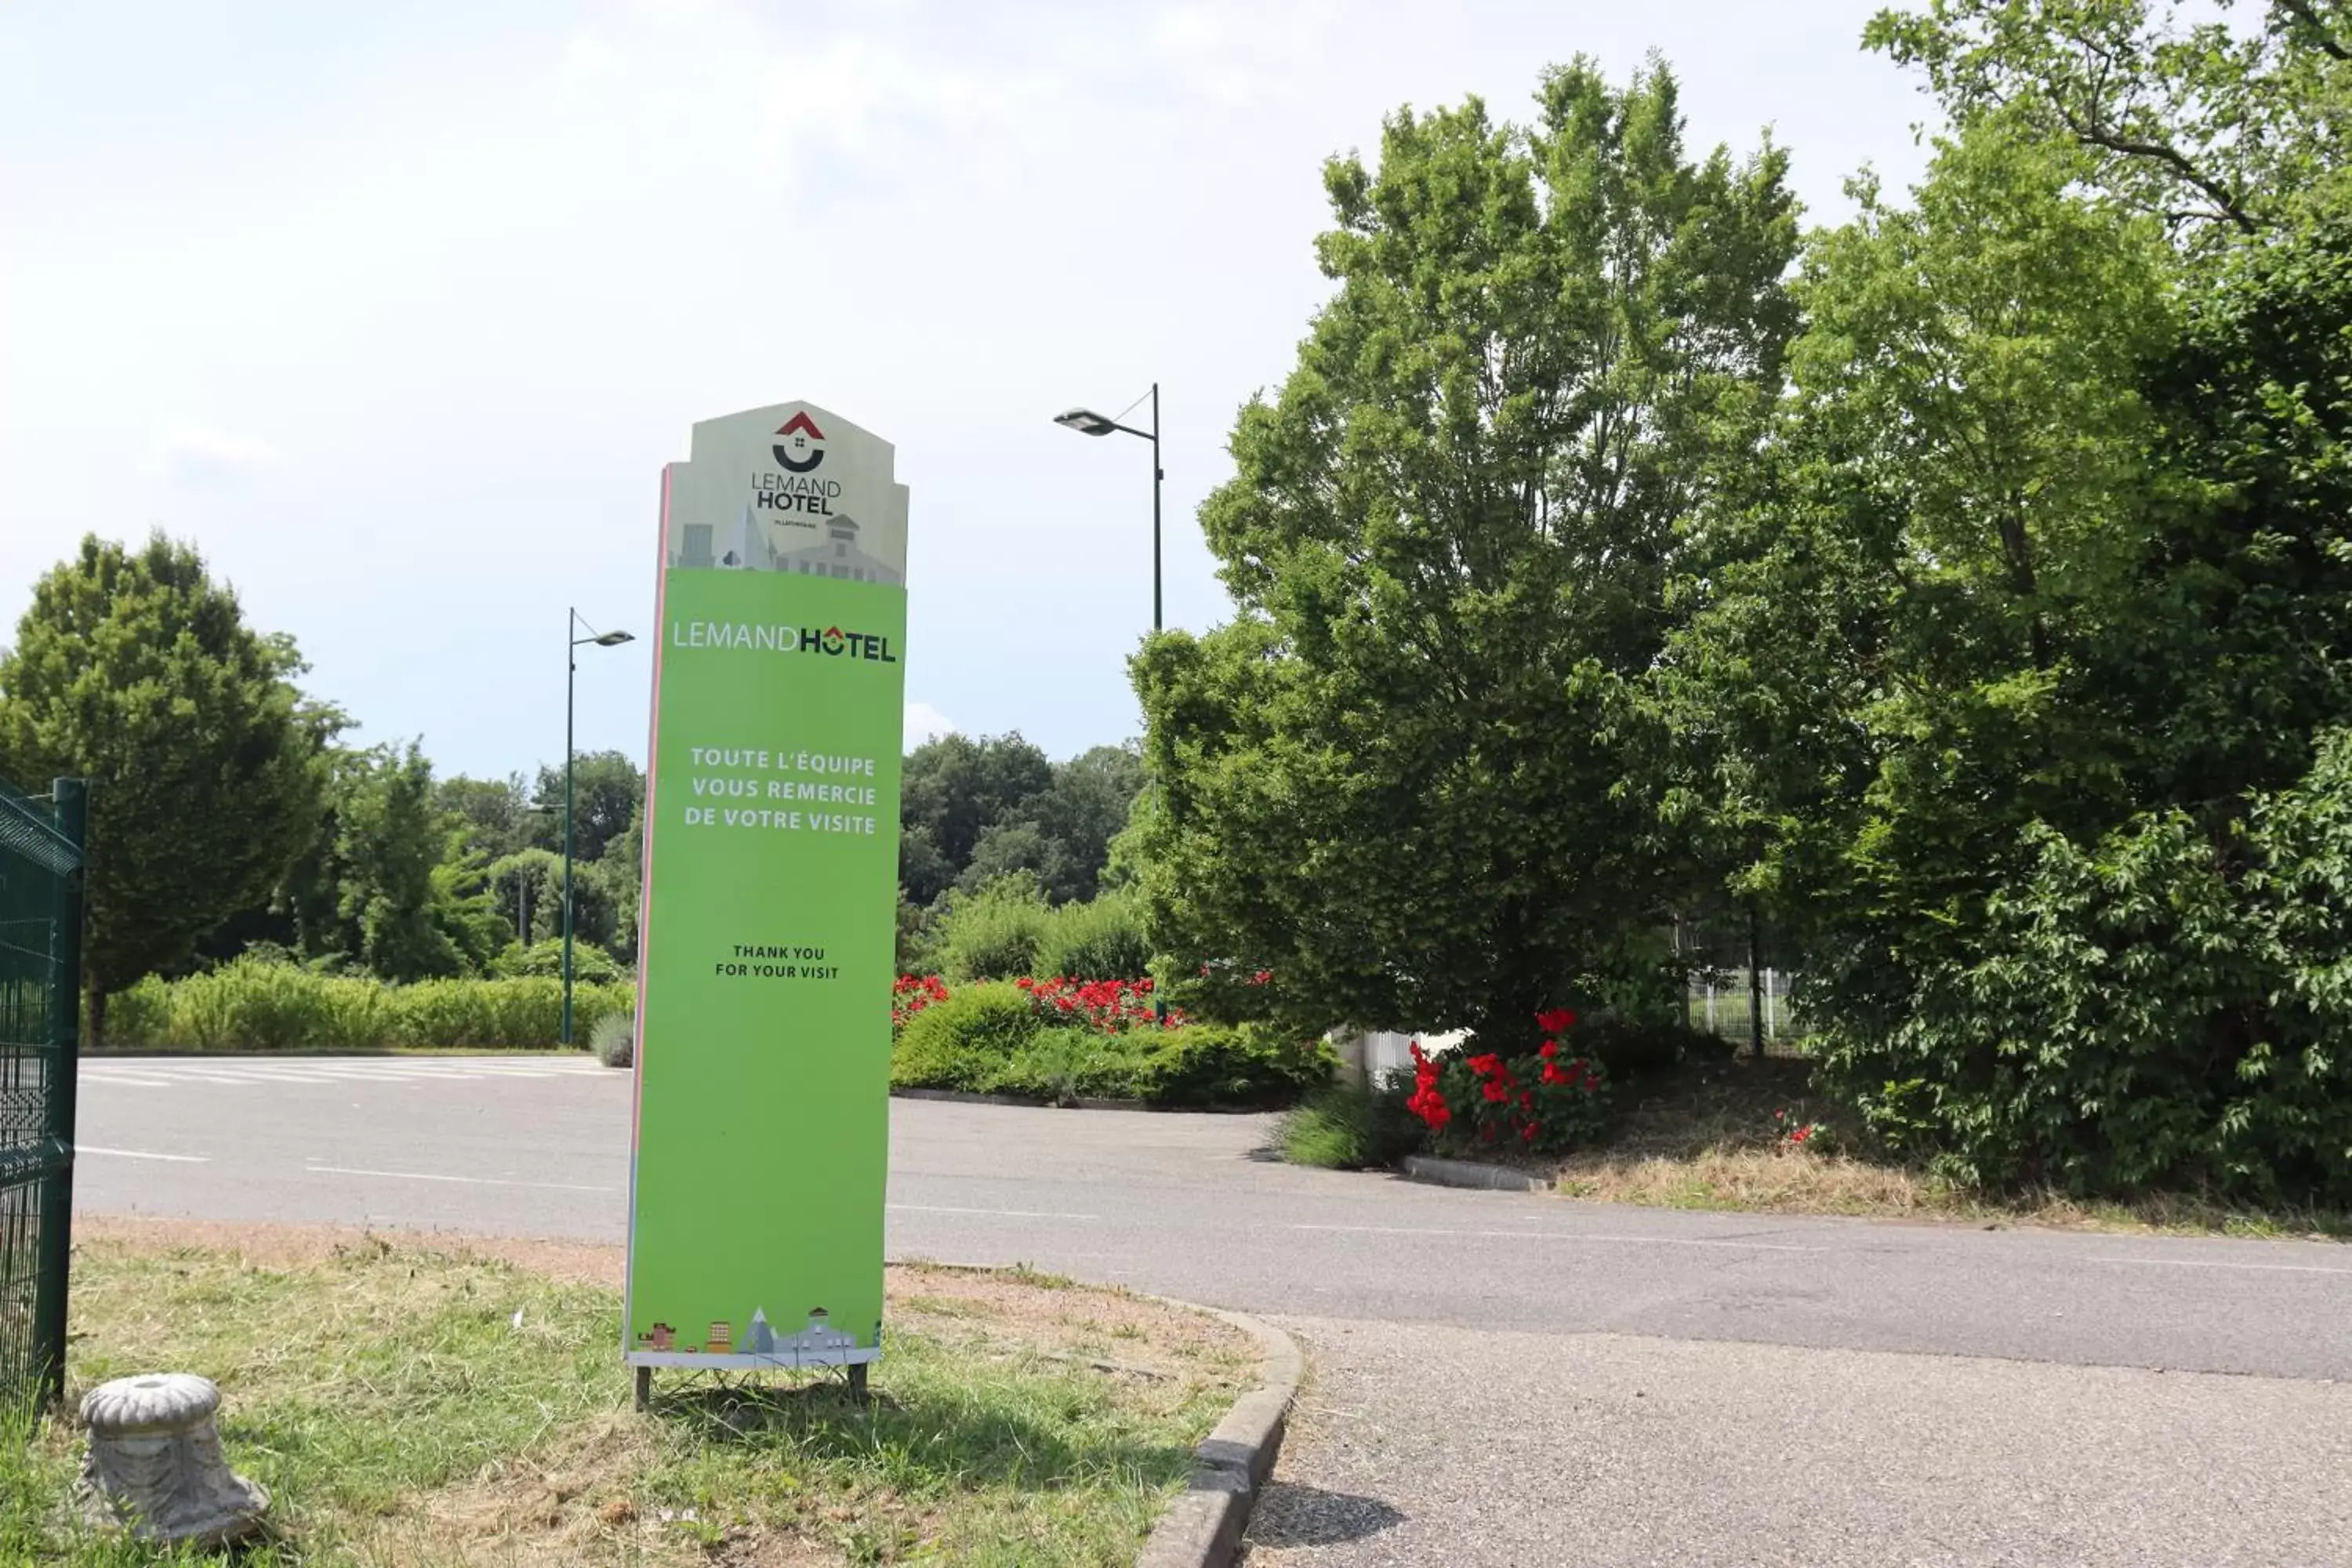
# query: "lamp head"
613,639
1087,422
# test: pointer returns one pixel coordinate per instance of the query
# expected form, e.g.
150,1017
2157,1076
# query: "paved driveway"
1501,1379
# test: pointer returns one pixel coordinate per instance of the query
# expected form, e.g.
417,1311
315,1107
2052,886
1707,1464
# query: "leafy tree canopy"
1407,780
134,669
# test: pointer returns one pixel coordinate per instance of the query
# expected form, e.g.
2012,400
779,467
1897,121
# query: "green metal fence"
40,1022
1733,988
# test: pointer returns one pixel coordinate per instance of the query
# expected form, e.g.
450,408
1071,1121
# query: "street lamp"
572,670
1087,422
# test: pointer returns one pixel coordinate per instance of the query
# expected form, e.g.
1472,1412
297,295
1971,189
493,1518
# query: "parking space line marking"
144,1155
2221,1263
1005,1213
469,1180
1565,1236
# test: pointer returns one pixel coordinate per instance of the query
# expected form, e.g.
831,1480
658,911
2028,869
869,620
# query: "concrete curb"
1202,1528
964,1096
1471,1173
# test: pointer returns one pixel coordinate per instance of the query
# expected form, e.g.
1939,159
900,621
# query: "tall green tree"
1885,678
392,841
620,873
608,791
952,791
527,889
2022,668
1410,778
1062,835
498,813
133,668
392,883
2222,127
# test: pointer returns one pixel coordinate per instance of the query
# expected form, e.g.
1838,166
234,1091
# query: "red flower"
1144,985
1550,1049
1556,1021
1527,1099
1261,977
1497,1091
1486,1063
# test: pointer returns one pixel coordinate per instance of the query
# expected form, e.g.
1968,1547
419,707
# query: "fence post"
72,809
1755,983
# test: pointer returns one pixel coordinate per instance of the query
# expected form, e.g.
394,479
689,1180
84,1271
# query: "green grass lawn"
385,1395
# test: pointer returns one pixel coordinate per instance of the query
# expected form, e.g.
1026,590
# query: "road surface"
1501,1378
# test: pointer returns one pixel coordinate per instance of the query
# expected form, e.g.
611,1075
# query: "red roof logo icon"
800,424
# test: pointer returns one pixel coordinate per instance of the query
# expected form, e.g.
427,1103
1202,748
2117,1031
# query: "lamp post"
1087,422
571,670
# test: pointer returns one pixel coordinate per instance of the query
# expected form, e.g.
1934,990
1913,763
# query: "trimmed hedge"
254,1006
989,1038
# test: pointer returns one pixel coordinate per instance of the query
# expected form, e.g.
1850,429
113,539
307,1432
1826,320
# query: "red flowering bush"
1791,1133
910,994
1111,1007
1540,1104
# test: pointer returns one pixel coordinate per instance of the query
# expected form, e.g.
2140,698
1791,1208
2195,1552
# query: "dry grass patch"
384,1390
1711,1138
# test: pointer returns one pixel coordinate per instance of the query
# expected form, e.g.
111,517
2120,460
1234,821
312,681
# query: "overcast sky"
397,310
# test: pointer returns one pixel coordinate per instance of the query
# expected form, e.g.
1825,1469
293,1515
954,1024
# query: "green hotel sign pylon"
767,927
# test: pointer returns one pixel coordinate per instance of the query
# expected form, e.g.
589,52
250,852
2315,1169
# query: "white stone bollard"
155,1464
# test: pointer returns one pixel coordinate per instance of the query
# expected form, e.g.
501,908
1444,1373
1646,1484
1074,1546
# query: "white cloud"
196,454
925,723
474,280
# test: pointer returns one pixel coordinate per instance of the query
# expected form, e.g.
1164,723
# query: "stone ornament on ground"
155,1464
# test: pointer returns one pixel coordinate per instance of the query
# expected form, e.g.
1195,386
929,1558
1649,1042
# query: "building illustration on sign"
839,557
836,504
819,1341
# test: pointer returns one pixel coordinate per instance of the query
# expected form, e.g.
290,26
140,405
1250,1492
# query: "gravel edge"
1202,1527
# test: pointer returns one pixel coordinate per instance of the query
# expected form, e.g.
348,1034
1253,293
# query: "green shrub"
615,1038
989,1038
992,934
965,1042
544,960
1235,1064
1347,1127
1100,940
2164,1007
139,1015
509,1014
1062,1065
255,1005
